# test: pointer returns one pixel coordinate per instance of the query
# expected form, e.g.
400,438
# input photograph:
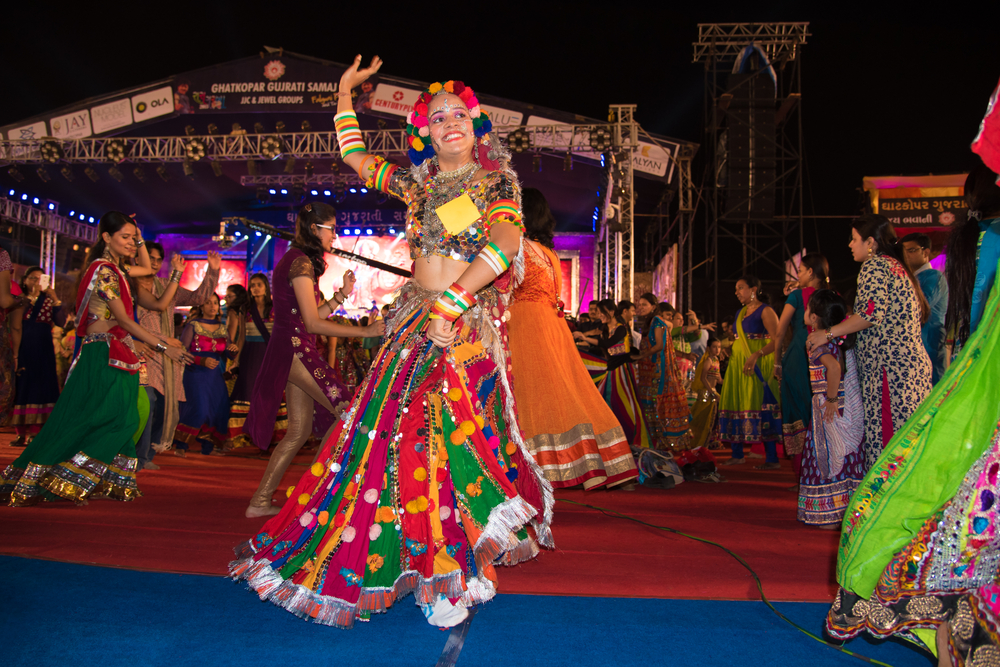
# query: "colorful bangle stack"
493,256
348,133
175,276
381,173
458,301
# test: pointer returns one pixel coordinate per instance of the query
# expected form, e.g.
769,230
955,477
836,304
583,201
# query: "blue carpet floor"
75,615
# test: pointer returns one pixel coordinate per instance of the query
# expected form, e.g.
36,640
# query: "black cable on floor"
739,559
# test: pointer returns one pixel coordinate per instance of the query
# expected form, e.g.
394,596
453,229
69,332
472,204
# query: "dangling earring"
869,252
475,154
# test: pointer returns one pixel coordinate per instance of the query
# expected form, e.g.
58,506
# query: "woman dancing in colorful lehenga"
426,483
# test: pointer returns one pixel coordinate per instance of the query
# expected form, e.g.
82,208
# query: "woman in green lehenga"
87,446
920,551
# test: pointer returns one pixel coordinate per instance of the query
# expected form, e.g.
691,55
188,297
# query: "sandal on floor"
733,462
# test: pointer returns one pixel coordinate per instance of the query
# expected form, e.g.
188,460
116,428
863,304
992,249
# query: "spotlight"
194,150
76,246
346,232
91,220
51,151
568,162
91,174
24,197
364,191
188,169
115,150
354,191
402,124
280,126
339,193
290,165
357,232
83,218
140,174
326,193
11,193
284,191
335,168
306,126
258,233
189,130
382,124
392,231
15,174
536,162
314,193
309,170
298,193
161,171
519,140
600,140
43,174
252,167
273,191
72,214
263,196
238,129
258,128
217,168
368,232
35,201
270,147
212,128
116,174
67,173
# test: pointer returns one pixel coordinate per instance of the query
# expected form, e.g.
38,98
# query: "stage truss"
615,252
763,244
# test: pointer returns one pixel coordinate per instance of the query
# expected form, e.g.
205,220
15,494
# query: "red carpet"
191,517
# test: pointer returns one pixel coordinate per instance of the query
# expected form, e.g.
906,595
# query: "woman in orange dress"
570,430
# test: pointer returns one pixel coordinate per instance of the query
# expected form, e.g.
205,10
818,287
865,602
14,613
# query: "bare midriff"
437,273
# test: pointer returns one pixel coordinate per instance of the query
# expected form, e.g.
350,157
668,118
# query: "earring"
869,252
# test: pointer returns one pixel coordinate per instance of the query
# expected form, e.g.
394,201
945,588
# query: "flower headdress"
418,129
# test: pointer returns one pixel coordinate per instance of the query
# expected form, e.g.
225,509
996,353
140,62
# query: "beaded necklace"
439,190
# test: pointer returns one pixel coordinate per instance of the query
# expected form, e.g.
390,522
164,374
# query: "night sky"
894,91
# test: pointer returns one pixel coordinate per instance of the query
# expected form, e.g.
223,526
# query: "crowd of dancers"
444,424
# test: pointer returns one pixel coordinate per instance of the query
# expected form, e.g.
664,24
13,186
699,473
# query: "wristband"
348,133
829,335
452,304
175,276
139,244
495,258
161,348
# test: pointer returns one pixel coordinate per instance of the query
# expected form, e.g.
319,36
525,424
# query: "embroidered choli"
106,289
497,197
202,342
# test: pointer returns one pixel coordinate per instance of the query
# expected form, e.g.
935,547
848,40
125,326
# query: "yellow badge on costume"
458,214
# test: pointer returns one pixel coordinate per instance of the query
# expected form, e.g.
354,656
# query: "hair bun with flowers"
418,123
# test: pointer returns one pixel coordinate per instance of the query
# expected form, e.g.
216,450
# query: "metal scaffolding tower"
752,184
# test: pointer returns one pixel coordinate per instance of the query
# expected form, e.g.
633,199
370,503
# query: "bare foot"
258,512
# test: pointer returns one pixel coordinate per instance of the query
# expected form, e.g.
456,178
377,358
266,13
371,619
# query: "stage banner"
111,116
271,83
924,211
28,132
391,99
372,286
75,125
232,272
152,104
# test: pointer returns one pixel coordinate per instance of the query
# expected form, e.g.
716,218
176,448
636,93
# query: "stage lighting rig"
252,168
115,150
140,173
568,162
309,170
15,174
216,168
280,126
43,174
339,192
519,140
161,171
189,130
536,163
194,149
116,174
212,128
91,174
306,126
263,196
290,165
67,173
189,169
238,129
270,147
51,151
258,128
382,124
600,139
298,193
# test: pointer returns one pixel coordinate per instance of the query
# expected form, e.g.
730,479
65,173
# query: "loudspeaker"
751,150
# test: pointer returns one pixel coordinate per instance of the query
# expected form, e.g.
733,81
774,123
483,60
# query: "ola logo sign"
140,107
